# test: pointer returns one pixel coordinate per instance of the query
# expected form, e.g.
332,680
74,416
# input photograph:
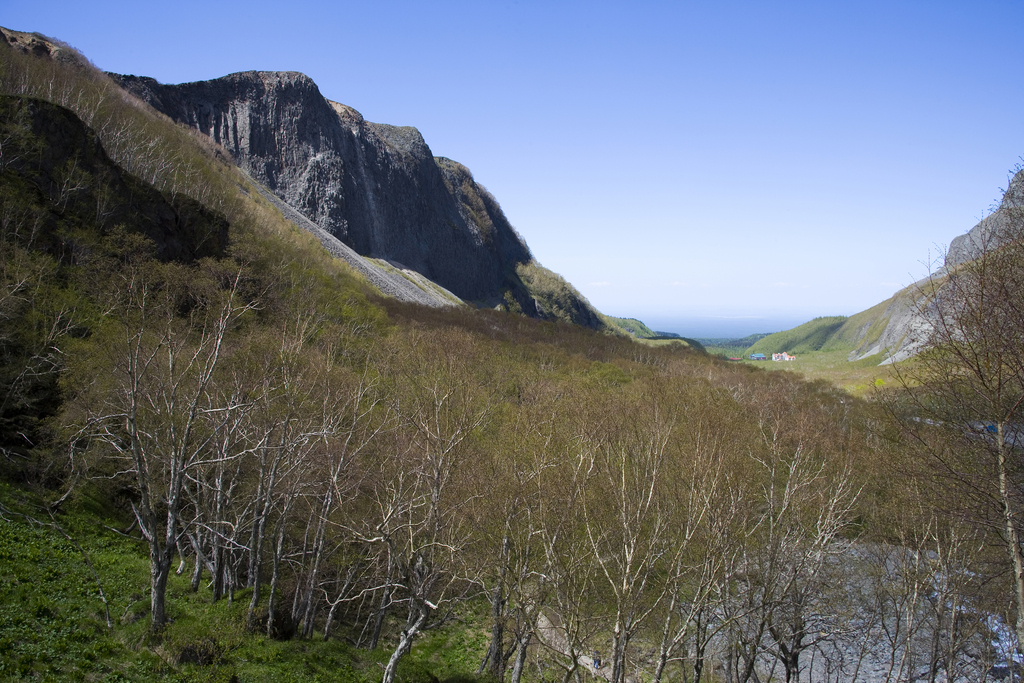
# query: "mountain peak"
375,187
38,45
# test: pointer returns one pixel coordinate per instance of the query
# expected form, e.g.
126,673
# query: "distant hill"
728,342
637,329
811,336
886,329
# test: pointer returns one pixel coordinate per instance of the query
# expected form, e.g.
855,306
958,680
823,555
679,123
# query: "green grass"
858,378
52,621
53,625
811,336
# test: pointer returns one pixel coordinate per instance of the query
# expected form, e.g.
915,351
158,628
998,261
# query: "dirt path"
554,638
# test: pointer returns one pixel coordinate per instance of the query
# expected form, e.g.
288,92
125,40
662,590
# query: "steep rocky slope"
987,234
377,188
404,285
892,330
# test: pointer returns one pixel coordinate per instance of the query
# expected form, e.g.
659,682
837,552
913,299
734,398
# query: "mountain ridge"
375,187
415,226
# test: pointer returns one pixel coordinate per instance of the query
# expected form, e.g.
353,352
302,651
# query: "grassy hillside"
811,336
883,329
874,333
861,329
630,326
553,297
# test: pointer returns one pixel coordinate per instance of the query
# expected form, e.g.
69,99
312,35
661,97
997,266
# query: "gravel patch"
395,285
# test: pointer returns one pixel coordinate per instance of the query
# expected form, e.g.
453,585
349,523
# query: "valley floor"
858,378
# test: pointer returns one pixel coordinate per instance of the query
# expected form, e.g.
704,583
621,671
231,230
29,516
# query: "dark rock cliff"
376,187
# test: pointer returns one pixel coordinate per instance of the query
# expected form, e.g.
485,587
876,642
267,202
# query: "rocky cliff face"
375,187
896,327
991,231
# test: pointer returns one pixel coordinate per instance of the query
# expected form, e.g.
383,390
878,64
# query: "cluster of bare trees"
678,519
685,532
281,459
962,405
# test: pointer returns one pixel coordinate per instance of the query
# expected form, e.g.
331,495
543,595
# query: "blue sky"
701,166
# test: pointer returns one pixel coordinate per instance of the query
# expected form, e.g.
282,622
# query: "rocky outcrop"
375,187
897,328
38,45
992,230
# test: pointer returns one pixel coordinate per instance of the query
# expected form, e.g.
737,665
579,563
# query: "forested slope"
226,458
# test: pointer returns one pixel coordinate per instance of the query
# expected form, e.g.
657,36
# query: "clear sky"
704,166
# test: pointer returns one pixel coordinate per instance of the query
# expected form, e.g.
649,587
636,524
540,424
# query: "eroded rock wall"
376,187
992,230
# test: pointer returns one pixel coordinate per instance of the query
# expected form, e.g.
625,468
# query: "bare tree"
707,509
963,396
628,518
567,621
345,421
508,521
802,499
417,509
153,410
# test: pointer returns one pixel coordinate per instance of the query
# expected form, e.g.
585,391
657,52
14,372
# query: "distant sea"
710,327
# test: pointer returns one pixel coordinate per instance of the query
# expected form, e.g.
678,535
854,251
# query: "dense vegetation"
224,458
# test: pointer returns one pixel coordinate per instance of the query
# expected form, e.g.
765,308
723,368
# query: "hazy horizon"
721,327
